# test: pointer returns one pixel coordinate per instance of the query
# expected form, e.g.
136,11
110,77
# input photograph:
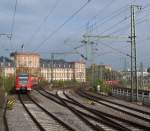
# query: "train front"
23,82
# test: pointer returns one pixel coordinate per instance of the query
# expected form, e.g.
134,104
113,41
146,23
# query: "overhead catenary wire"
109,17
13,25
62,25
43,21
103,9
139,21
13,19
142,40
104,53
113,32
98,13
114,14
148,5
121,21
116,24
115,49
117,13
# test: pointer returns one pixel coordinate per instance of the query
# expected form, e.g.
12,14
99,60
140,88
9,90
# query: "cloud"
30,14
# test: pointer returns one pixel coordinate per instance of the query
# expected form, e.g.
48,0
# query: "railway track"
5,119
61,108
79,114
131,112
129,125
104,122
44,120
103,119
99,97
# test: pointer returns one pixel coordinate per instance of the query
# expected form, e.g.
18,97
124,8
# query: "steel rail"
51,115
87,122
131,108
121,110
103,119
104,115
30,114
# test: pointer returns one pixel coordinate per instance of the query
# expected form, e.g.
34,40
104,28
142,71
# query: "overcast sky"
35,20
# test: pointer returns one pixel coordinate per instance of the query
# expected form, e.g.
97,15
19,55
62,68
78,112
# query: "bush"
103,86
71,83
43,83
8,83
59,83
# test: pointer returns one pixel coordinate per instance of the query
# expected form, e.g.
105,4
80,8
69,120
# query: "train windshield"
23,80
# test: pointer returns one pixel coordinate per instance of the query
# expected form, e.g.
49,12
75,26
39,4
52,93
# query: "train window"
23,75
23,80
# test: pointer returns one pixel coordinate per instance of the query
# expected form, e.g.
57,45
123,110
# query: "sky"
36,23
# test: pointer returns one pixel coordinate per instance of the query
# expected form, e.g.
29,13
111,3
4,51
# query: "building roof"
56,63
24,53
43,62
81,62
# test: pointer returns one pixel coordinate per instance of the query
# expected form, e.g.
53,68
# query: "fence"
125,93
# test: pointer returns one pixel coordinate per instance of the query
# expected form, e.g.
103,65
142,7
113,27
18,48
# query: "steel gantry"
133,55
90,40
134,78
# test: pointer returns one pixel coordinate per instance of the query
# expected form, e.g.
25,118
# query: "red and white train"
23,82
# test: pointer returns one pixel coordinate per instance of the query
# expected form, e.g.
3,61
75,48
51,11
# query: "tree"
103,86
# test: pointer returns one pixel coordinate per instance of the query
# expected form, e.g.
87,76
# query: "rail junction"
73,110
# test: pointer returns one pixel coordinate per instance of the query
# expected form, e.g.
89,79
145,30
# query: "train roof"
23,75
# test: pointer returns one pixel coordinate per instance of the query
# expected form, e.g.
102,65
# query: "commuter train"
23,82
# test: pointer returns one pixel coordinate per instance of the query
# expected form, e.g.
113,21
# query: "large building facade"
44,69
26,62
101,72
6,67
62,70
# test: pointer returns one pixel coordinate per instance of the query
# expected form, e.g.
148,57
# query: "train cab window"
23,80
